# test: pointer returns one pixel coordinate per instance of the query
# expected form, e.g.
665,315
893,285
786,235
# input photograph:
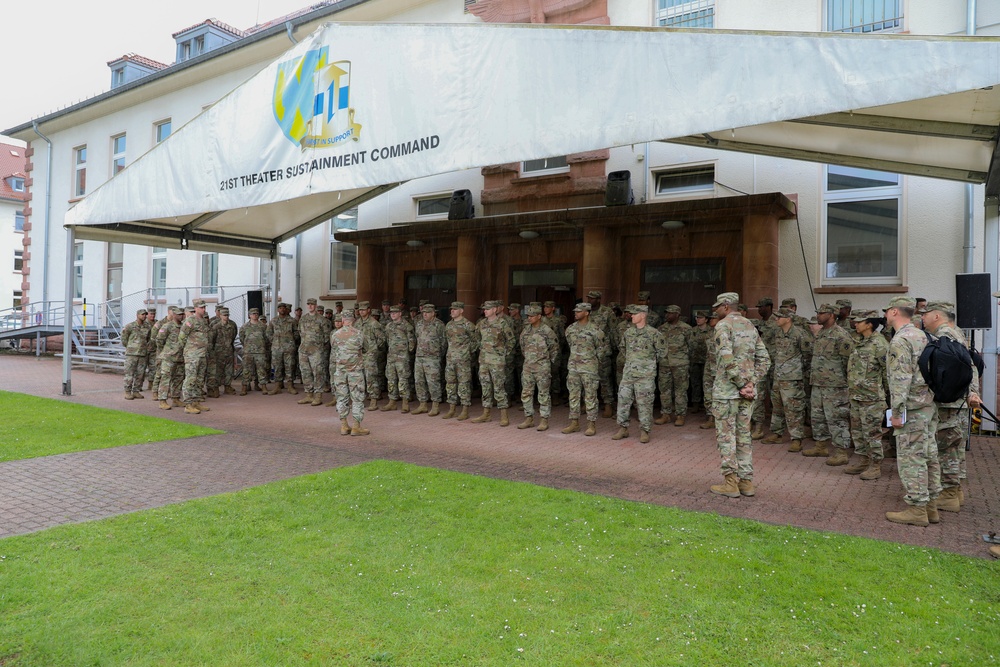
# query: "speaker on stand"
974,304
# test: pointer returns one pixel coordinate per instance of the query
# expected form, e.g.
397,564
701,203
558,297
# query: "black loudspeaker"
461,207
619,189
973,301
255,299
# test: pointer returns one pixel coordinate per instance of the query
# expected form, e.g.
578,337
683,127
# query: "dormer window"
185,51
199,45
117,77
16,183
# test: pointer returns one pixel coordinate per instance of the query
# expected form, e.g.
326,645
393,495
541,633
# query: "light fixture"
415,243
672,224
528,234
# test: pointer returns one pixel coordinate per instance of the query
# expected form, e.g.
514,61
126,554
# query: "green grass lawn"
390,564
35,427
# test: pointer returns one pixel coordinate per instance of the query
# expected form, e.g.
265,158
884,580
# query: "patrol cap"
784,312
827,308
640,309
902,302
254,311
550,304
630,308
582,308
395,309
363,305
594,294
843,303
328,311
337,317
727,299
765,301
339,303
514,305
422,302
188,309
222,311
788,302
672,309
348,314
142,311
427,308
946,307
700,313
174,310
533,310
199,303
536,303
488,304
457,305
643,296
861,315
311,301
742,306
386,302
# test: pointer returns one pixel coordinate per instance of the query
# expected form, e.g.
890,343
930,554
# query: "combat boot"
345,428
746,487
591,428
137,395
164,405
772,439
464,414
543,424
201,407
229,390
504,419
913,515
874,471
730,488
243,390
372,404
607,412
863,463
574,426
176,403
389,407
838,457
758,432
435,409
621,434
485,417
213,392
278,389
317,398
528,422
421,409
450,413
191,409
358,429
709,423
819,449
290,387
932,512
663,419
405,408
643,436
128,396
332,403
679,421
795,445
948,500
305,399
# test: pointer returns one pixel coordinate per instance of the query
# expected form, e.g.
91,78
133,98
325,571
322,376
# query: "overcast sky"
57,52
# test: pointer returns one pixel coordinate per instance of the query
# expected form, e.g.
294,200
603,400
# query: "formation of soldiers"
830,379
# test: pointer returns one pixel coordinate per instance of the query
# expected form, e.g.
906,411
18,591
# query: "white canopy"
357,108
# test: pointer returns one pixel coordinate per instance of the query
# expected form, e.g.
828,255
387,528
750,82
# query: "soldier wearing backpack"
953,417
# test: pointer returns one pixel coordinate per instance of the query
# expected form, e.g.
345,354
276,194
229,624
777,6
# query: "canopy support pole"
67,386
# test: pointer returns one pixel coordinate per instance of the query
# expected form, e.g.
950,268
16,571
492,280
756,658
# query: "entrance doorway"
438,287
545,283
690,284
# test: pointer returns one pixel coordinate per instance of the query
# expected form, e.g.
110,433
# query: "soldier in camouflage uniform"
283,341
653,318
916,446
953,418
557,323
401,342
151,363
496,342
790,349
463,343
619,325
196,340
517,359
540,347
643,346
431,346
135,340
830,405
374,353
171,359
698,350
865,372
843,312
314,332
766,326
222,355
708,381
742,363
586,345
603,318
674,368
156,349
348,346
253,337
802,323
327,380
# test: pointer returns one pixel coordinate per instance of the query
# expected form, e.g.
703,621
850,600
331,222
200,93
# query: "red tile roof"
287,17
12,163
136,58
217,23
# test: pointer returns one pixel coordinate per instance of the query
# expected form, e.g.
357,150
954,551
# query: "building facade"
13,197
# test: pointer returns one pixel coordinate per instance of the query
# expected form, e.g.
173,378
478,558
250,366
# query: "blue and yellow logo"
312,101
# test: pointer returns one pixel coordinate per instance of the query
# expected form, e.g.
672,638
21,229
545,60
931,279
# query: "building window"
115,274
18,221
117,154
343,267
18,295
434,207
80,166
862,232
77,270
117,77
161,130
210,273
185,51
686,181
159,281
17,184
199,45
864,16
18,260
685,13
549,165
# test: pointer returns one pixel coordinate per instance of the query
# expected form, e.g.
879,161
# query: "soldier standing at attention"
790,351
195,339
642,346
151,363
253,337
844,317
156,347
829,402
652,317
603,318
674,368
865,370
347,351
314,331
431,345
374,351
517,360
541,353
135,340
741,362
621,322
223,354
586,344
463,342
766,326
699,348
558,325
709,380
496,341
916,446
171,358
401,343
283,341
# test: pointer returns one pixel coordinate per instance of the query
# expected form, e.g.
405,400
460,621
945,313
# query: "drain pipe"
48,207
970,217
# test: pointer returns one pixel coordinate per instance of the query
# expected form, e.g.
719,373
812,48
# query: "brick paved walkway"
271,437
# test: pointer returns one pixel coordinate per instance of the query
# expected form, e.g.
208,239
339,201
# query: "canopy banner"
355,106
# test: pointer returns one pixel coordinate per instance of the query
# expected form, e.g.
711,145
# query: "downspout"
970,217
298,238
48,207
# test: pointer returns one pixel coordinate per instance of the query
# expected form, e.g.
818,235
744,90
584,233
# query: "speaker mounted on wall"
619,189
460,207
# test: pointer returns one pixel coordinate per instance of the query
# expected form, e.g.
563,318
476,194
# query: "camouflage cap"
582,308
254,311
488,304
363,305
860,315
536,303
422,302
701,313
222,311
784,312
843,303
640,309
643,296
457,305
594,294
395,309
339,303
813,320
902,302
549,304
630,308
175,310
337,317
311,301
946,307
328,311
726,298
532,310
827,308
742,306
142,311
189,309
788,302
199,303
427,308
514,305
672,309
348,314
765,301
713,316
386,302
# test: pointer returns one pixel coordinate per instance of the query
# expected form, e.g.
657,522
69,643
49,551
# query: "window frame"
79,171
18,261
863,27
78,254
333,289
19,216
692,192
545,171
417,199
158,125
118,153
16,183
208,288
684,13
158,255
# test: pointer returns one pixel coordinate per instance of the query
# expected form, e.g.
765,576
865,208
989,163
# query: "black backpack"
947,368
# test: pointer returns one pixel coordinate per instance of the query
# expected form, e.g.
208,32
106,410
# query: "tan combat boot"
164,405
709,423
405,407
746,487
137,395
317,398
621,434
243,390
435,409
372,404
485,417
358,429
128,396
528,422
229,390
838,457
191,409
679,421
772,439
795,445
758,432
643,436
450,413
389,407
607,413
213,392
863,463
913,515
176,403
574,426
278,389
543,424
332,403
663,419
591,428
306,399
819,449
290,387
345,428
201,407
948,500
464,414
730,488
932,512
504,419
421,409
874,471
